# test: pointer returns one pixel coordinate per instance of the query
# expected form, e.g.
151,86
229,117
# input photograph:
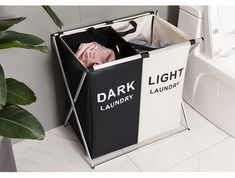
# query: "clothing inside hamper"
93,53
162,34
141,44
105,36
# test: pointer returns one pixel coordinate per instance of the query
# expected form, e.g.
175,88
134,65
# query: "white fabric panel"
143,27
161,29
164,30
160,111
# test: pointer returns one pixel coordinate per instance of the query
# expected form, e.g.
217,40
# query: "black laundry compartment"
133,98
109,101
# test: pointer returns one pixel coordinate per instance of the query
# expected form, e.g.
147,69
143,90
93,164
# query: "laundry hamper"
131,99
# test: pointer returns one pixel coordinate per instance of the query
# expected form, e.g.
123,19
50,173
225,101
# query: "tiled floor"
204,148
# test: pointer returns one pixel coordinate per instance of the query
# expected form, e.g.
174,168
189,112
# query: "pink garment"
93,54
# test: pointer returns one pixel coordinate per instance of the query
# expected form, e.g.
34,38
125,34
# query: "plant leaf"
53,16
3,87
16,122
7,23
18,44
22,37
19,93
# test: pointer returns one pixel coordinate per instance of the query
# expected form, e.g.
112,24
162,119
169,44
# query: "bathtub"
210,89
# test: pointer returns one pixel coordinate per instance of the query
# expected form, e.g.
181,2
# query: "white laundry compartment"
133,98
161,91
162,75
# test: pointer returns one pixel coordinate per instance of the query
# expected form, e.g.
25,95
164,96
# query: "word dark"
122,90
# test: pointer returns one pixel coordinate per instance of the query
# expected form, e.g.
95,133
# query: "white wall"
40,71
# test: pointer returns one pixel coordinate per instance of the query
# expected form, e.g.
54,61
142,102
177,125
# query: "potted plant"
15,121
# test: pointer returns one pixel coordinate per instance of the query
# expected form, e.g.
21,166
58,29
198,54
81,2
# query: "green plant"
15,121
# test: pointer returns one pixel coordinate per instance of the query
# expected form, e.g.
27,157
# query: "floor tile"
52,154
121,164
170,151
220,157
60,152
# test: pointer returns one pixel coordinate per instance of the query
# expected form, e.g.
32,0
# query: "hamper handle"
133,30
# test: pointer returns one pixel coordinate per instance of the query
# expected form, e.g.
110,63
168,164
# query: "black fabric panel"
105,131
117,127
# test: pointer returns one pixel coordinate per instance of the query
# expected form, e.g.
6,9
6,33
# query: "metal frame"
73,110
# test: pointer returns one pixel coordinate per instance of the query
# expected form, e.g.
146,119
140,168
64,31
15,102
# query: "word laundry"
164,88
122,90
117,102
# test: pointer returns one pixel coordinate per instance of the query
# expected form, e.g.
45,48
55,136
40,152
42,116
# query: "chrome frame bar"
76,97
185,115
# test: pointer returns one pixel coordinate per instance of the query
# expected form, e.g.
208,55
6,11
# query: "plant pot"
7,160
